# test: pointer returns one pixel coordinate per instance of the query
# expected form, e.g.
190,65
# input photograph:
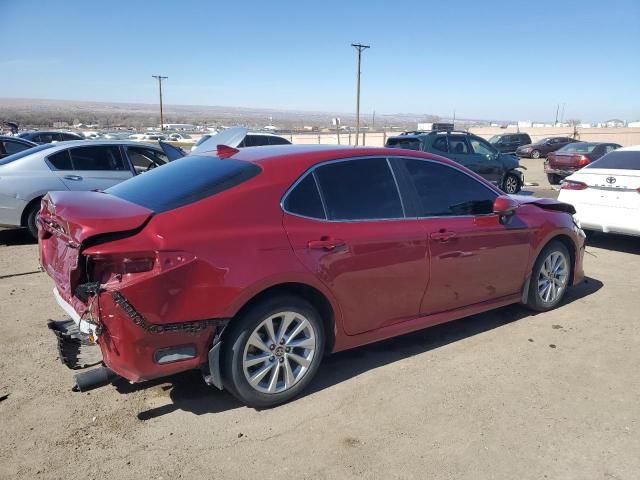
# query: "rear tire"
553,178
272,351
550,277
32,219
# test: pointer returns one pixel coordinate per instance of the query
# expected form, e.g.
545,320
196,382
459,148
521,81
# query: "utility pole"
160,78
562,113
557,109
360,48
373,120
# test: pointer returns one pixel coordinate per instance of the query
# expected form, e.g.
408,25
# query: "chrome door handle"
73,177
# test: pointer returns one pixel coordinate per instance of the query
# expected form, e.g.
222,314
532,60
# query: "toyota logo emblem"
611,179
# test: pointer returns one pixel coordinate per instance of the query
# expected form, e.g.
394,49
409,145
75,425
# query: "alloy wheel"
511,184
553,276
279,352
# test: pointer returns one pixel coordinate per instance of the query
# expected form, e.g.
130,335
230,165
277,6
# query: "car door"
460,150
95,167
474,256
345,221
486,160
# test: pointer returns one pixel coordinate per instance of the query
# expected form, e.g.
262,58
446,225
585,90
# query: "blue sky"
485,59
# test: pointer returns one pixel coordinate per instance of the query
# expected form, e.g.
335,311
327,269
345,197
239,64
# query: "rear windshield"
24,153
408,143
579,148
184,181
629,160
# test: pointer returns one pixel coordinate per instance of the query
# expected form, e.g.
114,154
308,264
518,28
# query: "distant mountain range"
45,112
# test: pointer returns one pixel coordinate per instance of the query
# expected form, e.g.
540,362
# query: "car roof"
57,146
302,157
15,139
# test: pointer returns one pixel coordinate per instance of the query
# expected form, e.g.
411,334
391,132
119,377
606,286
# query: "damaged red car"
252,264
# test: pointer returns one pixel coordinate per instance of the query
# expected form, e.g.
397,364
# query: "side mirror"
505,206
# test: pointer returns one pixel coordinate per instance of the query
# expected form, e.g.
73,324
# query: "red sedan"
252,264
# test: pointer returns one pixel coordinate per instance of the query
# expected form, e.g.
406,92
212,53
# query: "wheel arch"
571,248
25,210
309,293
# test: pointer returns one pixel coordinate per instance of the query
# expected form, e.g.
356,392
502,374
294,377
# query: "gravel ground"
502,395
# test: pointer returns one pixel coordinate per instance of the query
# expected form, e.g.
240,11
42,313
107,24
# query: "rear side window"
408,143
304,199
104,158
255,140
440,144
617,160
458,144
184,181
60,160
278,141
446,191
361,189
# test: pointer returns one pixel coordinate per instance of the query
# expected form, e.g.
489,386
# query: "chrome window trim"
312,169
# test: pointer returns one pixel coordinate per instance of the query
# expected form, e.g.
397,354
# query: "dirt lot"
503,395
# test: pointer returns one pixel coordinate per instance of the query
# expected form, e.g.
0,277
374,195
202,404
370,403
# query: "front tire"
272,351
535,154
553,178
511,184
549,278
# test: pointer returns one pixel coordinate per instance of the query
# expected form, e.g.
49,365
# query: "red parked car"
571,158
252,264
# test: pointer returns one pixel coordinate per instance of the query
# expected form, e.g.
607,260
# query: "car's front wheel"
553,179
535,154
550,277
272,351
511,184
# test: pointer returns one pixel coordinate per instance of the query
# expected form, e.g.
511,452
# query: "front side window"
97,158
458,144
14,147
144,159
360,189
304,199
446,191
481,147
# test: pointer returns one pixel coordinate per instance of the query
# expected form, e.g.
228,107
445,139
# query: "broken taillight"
103,267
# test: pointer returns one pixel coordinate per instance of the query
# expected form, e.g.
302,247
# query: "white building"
524,124
633,124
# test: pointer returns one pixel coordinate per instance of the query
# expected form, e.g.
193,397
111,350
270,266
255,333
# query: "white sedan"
606,193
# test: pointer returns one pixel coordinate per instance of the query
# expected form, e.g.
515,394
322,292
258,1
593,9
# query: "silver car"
27,176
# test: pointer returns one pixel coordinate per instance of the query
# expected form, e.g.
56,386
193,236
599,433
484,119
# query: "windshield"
495,138
578,148
24,153
408,143
183,182
629,160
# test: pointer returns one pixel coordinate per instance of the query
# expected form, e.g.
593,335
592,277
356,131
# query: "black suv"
509,142
469,150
